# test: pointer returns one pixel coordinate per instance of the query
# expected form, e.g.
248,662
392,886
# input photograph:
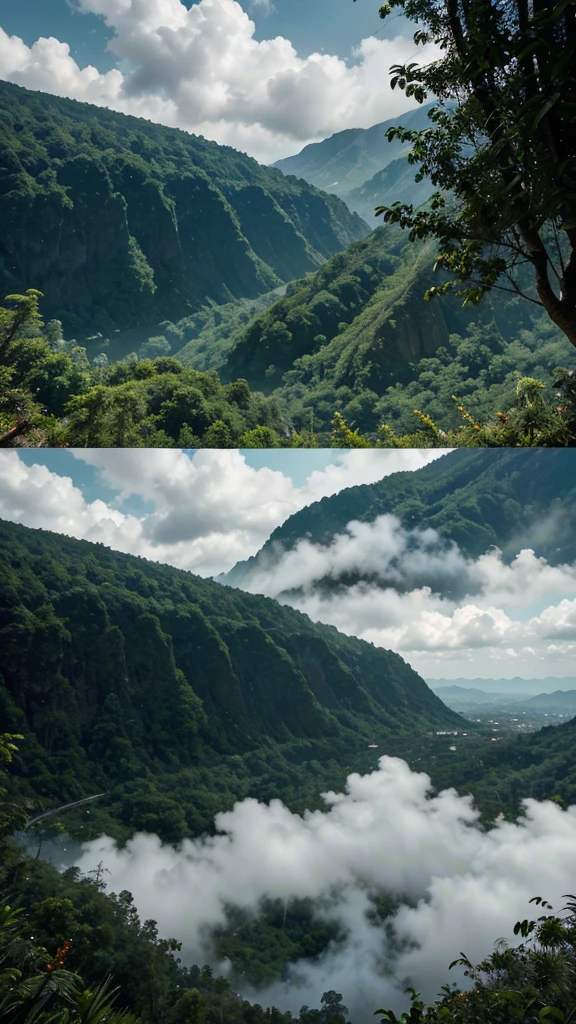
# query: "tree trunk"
561,309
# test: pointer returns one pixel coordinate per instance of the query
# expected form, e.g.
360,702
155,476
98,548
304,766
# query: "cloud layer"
420,595
463,888
202,70
209,511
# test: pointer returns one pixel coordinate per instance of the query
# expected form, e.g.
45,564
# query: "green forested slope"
123,222
510,498
51,395
357,337
142,680
355,324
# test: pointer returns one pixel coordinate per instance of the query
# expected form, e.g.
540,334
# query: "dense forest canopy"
52,395
140,679
122,222
356,337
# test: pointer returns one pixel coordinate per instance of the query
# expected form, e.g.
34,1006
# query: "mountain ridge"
349,158
120,221
475,497
117,670
363,168
570,682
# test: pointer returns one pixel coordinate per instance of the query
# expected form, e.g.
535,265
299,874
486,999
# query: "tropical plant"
514,985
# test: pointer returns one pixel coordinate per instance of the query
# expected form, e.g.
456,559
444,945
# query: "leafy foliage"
53,396
528,985
504,155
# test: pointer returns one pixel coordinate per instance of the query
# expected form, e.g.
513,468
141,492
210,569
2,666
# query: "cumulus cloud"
208,511
461,887
416,592
202,70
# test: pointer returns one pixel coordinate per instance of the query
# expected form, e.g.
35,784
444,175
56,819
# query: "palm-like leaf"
94,1006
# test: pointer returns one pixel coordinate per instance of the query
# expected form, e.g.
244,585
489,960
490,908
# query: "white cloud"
462,888
208,511
419,593
557,623
202,70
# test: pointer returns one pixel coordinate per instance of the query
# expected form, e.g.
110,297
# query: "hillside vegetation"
122,222
395,183
142,680
167,249
357,338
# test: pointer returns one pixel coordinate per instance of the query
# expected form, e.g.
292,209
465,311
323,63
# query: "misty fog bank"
463,888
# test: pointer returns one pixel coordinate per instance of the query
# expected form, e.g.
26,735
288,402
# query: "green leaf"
548,1012
547,106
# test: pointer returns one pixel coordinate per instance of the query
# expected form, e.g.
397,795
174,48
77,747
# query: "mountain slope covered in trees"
141,680
395,183
122,222
476,498
356,337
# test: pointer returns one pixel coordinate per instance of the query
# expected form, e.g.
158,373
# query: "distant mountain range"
472,695
509,498
122,222
459,697
506,688
362,167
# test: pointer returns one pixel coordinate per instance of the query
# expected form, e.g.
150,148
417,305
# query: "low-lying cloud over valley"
463,887
418,594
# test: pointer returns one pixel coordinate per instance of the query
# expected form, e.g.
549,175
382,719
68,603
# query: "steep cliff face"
270,232
71,236
121,222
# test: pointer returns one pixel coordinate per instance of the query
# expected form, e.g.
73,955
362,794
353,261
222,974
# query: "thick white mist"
386,832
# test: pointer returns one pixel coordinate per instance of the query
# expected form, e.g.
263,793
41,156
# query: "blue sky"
264,76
